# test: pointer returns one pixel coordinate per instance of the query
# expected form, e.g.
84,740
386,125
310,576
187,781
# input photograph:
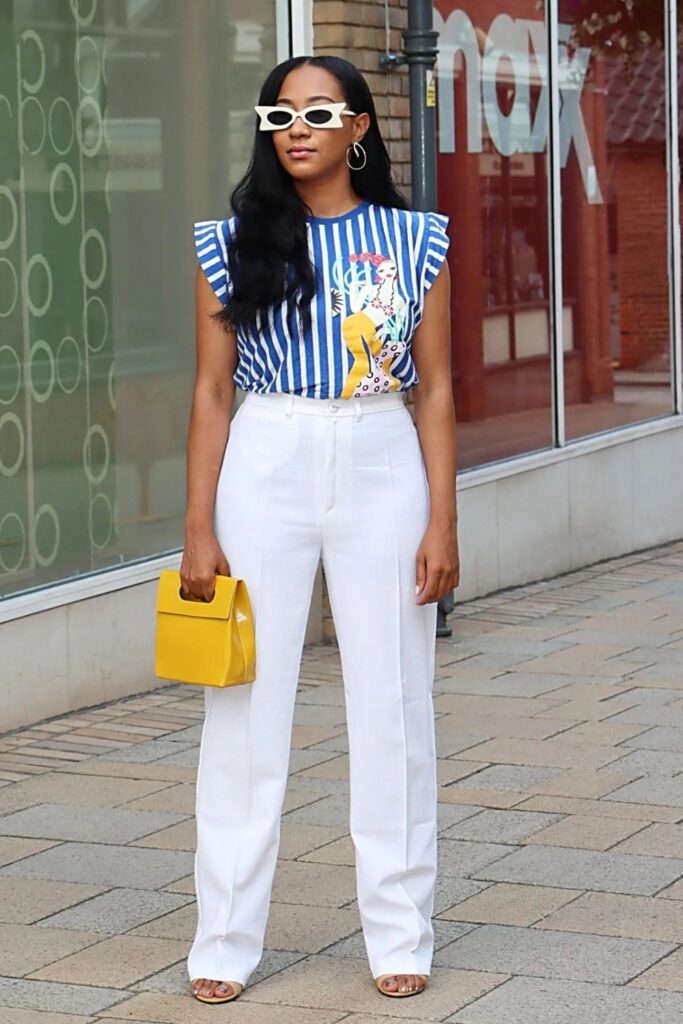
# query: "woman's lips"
298,154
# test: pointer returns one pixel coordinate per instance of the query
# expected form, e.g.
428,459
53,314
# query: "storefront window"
121,123
492,179
493,134
612,79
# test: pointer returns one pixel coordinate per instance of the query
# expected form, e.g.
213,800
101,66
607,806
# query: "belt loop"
357,401
290,405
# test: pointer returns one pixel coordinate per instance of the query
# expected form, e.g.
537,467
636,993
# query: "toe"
390,984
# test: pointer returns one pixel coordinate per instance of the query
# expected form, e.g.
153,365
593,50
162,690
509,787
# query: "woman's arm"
208,431
438,563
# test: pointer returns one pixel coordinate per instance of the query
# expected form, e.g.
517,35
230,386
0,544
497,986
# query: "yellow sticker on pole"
431,88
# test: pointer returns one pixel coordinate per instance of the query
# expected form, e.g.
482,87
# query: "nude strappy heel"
225,998
411,992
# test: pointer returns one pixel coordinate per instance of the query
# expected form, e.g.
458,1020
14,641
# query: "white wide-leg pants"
345,480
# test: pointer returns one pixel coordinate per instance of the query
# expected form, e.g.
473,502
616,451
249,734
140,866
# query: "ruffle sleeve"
434,248
211,240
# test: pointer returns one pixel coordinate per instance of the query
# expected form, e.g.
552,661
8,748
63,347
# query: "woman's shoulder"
222,229
420,223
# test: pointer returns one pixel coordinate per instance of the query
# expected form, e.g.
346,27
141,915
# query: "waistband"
356,406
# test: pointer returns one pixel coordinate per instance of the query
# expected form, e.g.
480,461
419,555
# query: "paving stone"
497,798
175,979
509,684
297,928
500,826
149,750
323,885
317,982
658,840
459,858
658,738
653,789
55,998
83,791
114,912
114,962
672,892
180,923
450,890
23,901
583,782
503,903
341,851
328,810
175,799
182,759
649,694
178,1009
182,836
20,1016
633,917
464,704
556,753
100,864
513,777
513,950
549,1001
590,833
667,974
582,710
652,762
12,849
66,821
452,814
651,714
600,808
584,869
23,948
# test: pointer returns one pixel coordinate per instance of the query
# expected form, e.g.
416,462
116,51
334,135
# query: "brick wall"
643,282
357,32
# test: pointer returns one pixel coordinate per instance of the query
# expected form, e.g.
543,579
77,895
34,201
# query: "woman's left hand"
437,562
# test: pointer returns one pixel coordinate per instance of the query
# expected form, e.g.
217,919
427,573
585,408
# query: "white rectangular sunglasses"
321,115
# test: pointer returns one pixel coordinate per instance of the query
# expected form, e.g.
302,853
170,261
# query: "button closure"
334,407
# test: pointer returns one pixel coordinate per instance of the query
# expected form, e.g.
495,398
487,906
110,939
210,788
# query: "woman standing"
325,298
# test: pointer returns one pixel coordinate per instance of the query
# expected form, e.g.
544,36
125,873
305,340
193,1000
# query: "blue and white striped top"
375,265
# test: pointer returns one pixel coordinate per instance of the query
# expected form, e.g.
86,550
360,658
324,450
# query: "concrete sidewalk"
560,897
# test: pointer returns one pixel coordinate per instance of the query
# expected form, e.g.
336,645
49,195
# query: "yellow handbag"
210,643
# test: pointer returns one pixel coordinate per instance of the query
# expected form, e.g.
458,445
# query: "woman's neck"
329,199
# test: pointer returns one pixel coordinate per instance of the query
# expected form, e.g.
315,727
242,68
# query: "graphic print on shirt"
374,330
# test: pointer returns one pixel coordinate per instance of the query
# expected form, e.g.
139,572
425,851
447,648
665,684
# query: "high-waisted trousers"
343,480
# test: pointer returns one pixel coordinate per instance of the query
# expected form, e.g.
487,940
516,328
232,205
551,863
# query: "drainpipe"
419,53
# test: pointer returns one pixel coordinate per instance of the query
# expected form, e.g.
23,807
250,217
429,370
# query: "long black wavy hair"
268,260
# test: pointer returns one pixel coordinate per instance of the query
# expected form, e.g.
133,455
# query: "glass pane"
492,181
614,215
121,123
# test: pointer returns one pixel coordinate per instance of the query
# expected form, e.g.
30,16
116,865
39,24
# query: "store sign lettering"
514,132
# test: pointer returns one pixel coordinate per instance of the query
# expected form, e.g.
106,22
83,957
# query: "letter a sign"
521,43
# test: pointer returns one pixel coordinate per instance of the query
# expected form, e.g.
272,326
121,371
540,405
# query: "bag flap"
169,599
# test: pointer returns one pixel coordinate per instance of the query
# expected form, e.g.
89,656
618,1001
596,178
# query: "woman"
324,298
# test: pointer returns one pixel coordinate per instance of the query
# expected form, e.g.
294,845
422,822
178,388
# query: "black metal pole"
420,49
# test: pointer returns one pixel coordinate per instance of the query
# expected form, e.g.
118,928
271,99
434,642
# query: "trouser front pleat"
300,482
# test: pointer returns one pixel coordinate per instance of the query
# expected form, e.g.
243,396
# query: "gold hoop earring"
357,146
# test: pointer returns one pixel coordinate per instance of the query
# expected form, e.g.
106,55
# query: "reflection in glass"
120,125
612,77
492,181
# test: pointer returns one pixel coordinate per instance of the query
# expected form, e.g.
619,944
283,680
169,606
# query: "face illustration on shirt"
370,283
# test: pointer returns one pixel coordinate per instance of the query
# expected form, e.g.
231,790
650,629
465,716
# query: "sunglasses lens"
279,118
319,116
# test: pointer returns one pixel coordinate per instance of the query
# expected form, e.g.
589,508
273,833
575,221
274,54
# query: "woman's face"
321,151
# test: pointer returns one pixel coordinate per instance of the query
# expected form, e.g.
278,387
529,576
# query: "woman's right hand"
202,560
